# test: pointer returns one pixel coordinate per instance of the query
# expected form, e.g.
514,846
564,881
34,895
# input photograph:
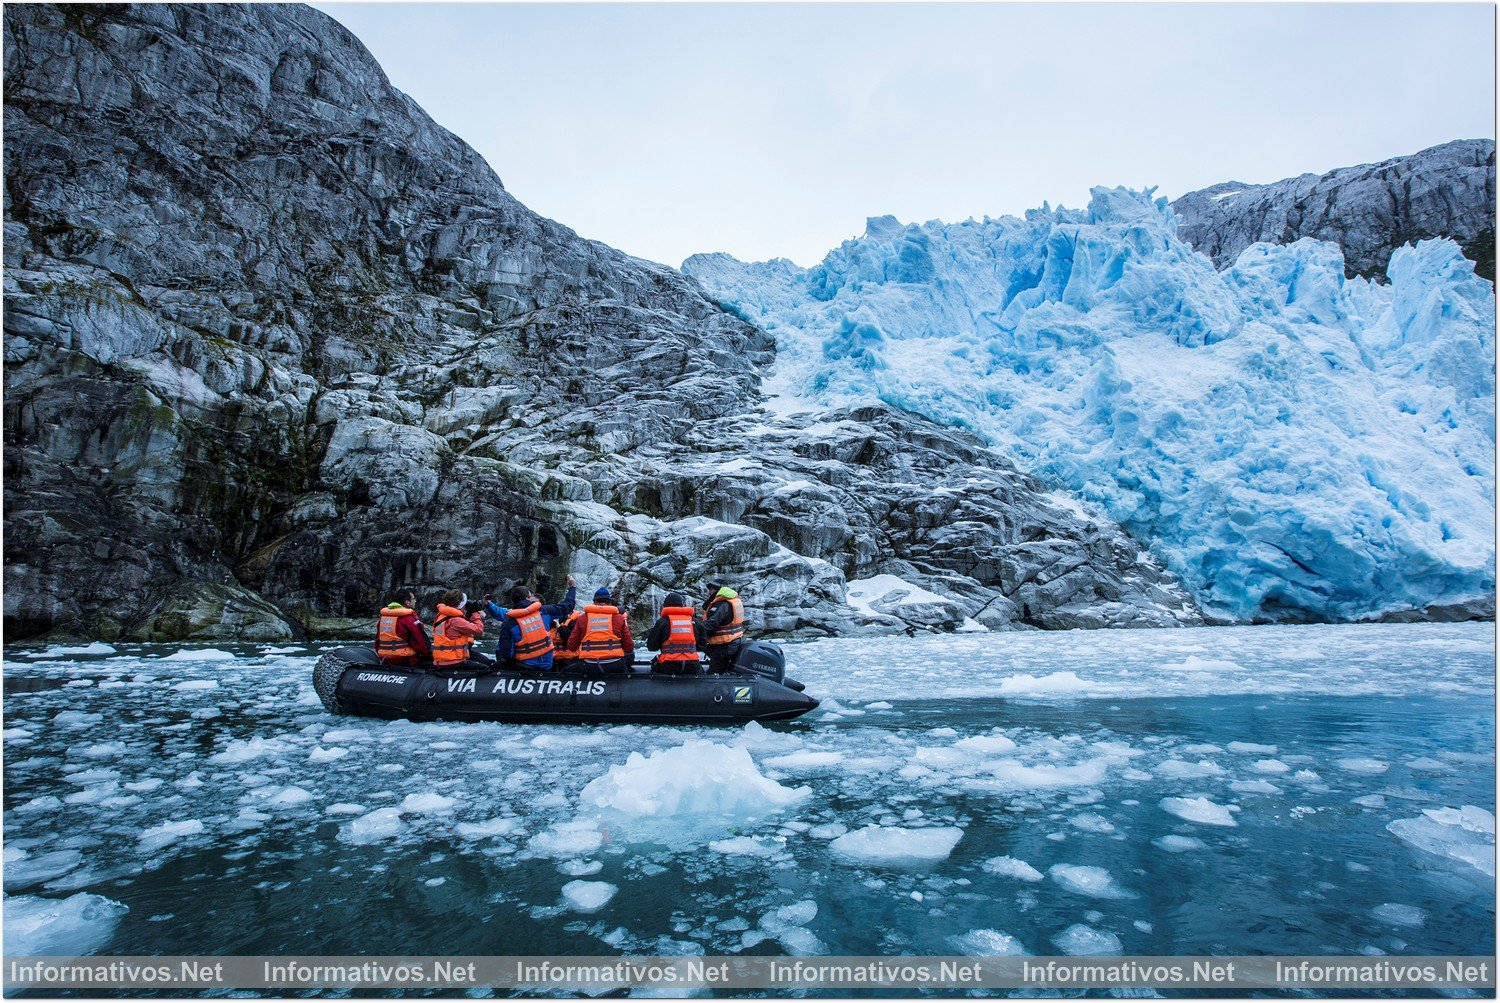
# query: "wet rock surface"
1369,210
276,343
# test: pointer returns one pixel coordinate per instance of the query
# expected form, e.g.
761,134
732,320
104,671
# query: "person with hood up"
601,637
724,620
526,634
678,635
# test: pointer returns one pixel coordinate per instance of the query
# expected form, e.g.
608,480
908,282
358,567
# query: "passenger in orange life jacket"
678,635
526,637
453,635
601,638
399,636
724,619
562,630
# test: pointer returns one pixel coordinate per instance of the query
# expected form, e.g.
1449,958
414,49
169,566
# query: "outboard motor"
761,658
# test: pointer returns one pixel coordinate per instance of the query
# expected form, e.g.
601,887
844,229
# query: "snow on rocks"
1199,809
1466,835
587,896
74,926
878,844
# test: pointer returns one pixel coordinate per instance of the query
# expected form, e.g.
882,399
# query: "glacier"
1293,444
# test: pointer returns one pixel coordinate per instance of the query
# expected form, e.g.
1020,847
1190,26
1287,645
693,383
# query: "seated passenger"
400,638
453,635
562,658
526,638
678,636
602,637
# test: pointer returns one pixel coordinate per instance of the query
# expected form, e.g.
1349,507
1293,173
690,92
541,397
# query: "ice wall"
1294,444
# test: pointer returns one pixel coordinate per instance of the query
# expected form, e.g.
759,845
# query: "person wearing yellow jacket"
724,621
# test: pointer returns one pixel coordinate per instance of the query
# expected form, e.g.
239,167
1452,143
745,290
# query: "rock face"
276,344
1369,211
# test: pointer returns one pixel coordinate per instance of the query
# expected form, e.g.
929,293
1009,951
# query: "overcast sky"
775,130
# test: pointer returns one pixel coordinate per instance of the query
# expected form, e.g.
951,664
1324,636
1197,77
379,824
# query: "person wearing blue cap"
602,637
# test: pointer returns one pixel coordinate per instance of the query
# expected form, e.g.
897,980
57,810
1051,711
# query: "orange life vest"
600,642
448,647
682,640
559,653
535,640
388,642
735,628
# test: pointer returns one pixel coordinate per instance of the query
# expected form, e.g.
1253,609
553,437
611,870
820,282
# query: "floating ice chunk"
380,824
788,924
699,781
580,868
26,871
198,684
1179,844
1010,867
1200,810
985,745
77,925
338,735
568,839
322,755
1013,773
502,826
745,846
878,705
75,719
1080,940
1254,787
292,796
1089,822
809,760
828,830
1464,834
1251,749
1181,770
1055,682
429,803
244,750
345,808
1270,766
1399,915
1095,882
200,655
95,648
587,896
46,802
167,833
1363,765
880,844
104,750
988,944
1370,801
1195,664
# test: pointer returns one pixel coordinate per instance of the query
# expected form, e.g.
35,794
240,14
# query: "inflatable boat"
352,681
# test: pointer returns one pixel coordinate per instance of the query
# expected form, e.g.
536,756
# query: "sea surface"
1278,790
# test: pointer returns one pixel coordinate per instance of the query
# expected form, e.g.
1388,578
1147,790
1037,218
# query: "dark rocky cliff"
276,342
1370,210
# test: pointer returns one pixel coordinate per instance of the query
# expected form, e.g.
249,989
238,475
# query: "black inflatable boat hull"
352,681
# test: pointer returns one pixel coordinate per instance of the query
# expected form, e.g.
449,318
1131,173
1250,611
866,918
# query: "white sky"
775,130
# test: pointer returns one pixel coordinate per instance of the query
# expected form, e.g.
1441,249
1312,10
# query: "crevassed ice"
1287,438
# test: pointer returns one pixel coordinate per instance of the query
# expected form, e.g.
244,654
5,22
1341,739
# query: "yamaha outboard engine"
761,658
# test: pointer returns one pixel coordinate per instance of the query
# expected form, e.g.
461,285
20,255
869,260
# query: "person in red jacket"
400,638
601,637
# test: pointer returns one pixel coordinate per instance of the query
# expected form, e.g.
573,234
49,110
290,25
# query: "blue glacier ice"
1292,443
